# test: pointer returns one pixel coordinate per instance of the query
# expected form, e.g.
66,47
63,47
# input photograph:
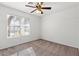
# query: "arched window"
18,26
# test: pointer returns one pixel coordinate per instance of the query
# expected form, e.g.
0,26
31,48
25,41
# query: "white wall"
62,27
6,42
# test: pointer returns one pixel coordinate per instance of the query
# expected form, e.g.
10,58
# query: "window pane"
17,23
12,20
12,29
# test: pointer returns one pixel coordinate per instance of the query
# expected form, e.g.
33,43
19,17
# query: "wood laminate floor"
43,48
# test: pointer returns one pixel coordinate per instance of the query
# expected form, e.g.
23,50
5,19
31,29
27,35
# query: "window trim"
28,20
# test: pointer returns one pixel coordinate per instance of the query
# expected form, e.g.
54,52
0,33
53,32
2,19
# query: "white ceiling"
56,6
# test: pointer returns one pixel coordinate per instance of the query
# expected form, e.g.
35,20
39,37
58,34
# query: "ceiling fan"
39,7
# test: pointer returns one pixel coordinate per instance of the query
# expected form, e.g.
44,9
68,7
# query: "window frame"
20,27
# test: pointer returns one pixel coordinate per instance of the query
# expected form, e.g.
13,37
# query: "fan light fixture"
38,7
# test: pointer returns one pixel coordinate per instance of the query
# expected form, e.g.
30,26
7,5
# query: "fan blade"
30,6
46,8
30,2
41,12
33,11
37,3
41,3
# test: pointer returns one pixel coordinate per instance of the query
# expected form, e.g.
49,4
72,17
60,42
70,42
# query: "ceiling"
56,6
